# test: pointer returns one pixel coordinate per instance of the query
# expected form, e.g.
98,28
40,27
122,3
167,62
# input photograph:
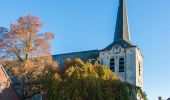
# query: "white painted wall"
133,58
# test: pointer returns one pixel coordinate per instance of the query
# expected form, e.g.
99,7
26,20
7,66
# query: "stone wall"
139,68
132,57
131,65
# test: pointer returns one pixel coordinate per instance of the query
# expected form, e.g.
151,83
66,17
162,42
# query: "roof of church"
121,35
84,55
122,43
122,27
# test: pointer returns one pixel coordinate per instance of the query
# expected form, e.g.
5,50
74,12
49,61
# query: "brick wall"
7,92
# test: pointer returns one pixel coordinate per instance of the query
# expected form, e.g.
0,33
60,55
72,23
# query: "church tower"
123,57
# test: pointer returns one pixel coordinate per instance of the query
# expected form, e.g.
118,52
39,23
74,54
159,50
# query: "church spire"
122,30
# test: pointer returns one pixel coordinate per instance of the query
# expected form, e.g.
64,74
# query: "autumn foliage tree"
87,81
26,52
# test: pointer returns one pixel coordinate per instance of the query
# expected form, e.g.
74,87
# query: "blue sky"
81,25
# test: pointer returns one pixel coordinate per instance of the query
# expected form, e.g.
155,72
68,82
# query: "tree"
87,81
26,52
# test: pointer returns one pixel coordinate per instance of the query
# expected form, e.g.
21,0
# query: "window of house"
121,65
112,64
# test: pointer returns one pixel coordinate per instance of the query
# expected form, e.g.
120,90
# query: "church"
121,56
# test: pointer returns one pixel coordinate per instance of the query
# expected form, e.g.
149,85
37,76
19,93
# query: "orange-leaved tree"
25,51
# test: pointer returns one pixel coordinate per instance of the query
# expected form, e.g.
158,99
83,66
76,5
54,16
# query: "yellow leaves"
86,81
70,71
78,62
107,74
57,77
73,62
80,70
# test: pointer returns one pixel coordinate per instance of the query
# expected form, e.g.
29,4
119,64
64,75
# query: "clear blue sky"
89,24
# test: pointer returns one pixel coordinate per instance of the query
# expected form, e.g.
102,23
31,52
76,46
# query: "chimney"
159,98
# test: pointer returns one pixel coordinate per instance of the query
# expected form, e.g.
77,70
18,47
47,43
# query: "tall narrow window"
121,65
101,62
139,69
112,64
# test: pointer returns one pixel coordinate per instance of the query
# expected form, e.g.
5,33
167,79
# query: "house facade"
7,91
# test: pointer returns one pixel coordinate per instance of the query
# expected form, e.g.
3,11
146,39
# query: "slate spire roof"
122,27
121,35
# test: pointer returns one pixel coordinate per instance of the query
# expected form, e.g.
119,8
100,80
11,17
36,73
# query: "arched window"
121,65
112,64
